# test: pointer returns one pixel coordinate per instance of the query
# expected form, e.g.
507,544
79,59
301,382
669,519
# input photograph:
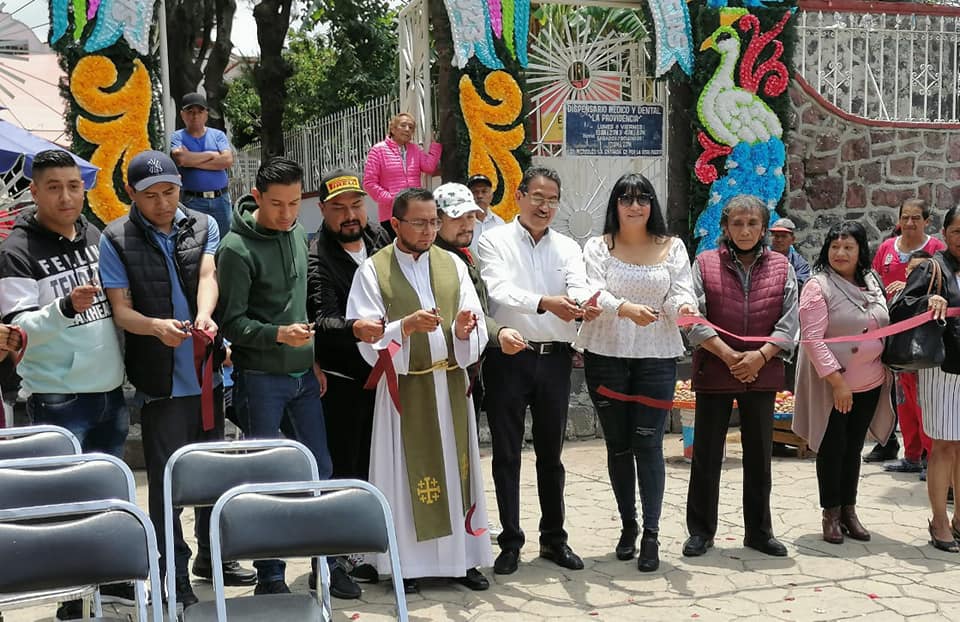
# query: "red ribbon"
639,399
469,529
876,333
203,362
385,366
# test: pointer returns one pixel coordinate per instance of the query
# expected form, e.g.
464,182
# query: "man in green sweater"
262,271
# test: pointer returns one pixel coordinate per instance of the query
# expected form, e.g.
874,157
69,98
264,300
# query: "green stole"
419,425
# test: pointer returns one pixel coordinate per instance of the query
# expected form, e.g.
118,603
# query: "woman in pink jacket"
396,164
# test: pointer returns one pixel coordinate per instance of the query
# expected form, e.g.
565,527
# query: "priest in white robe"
424,454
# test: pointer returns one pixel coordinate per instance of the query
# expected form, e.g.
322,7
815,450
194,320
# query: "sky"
34,13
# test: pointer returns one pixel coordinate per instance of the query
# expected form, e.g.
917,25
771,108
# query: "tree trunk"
218,60
271,73
453,163
184,23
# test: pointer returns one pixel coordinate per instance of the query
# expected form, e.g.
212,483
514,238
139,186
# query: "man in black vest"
157,267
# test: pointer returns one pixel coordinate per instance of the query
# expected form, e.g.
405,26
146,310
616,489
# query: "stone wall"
840,169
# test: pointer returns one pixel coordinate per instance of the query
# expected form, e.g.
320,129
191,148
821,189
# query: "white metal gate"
575,64
565,64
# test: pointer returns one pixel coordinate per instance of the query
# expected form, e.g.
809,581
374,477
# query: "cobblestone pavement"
896,576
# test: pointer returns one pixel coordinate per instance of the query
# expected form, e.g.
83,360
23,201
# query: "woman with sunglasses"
644,282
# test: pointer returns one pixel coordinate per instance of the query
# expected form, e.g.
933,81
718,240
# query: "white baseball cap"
455,200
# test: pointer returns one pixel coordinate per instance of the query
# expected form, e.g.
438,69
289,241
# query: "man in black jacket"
343,241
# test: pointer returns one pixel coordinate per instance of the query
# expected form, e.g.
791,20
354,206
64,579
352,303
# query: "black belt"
548,347
206,194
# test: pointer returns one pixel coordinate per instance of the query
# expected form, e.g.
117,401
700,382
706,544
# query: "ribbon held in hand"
876,333
385,366
203,363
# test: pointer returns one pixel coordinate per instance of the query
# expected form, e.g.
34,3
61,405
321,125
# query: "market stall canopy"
16,142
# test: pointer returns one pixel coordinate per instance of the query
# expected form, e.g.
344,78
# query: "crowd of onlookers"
377,344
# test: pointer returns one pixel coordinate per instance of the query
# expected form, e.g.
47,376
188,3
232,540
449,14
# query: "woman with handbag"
936,286
842,388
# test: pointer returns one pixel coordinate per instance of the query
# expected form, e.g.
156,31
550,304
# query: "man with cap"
459,213
482,189
157,268
203,155
782,239
341,244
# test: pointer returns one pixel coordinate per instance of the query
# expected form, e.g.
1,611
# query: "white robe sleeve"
366,302
467,351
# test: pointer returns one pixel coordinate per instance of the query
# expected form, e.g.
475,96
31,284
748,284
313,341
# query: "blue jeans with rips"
220,209
100,421
261,401
633,432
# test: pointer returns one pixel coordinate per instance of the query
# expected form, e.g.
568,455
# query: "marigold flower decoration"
491,147
120,129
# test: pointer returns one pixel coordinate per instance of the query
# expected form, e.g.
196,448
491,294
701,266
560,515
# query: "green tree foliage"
343,54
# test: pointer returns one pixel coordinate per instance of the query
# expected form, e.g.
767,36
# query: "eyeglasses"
538,200
423,225
642,200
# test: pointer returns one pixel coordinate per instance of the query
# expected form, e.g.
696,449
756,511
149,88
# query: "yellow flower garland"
123,132
491,148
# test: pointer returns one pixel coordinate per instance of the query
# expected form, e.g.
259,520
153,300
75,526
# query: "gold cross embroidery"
428,490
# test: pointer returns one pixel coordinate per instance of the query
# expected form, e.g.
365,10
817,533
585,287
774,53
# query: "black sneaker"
341,585
70,610
118,594
272,587
185,595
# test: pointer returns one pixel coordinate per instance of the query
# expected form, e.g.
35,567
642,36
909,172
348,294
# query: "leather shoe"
649,558
233,573
562,556
851,525
831,526
770,546
506,562
474,580
627,546
904,466
695,546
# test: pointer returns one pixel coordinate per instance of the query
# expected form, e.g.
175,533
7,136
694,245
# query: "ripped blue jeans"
633,432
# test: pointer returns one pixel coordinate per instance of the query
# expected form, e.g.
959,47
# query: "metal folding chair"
198,474
37,440
54,480
54,547
294,519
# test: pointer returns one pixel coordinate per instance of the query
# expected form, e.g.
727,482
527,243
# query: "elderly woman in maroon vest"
842,388
748,290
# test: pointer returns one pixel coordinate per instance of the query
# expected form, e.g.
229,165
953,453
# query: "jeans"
633,432
99,420
261,401
838,459
220,209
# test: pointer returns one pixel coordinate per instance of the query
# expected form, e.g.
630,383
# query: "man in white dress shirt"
538,285
482,189
424,453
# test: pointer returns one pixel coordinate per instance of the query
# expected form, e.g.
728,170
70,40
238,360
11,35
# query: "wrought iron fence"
339,140
887,66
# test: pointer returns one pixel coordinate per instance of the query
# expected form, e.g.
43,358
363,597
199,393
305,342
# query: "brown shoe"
831,526
851,525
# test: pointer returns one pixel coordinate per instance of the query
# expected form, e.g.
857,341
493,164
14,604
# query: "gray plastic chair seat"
259,609
36,445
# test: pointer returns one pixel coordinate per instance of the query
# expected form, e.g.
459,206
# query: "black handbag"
921,347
